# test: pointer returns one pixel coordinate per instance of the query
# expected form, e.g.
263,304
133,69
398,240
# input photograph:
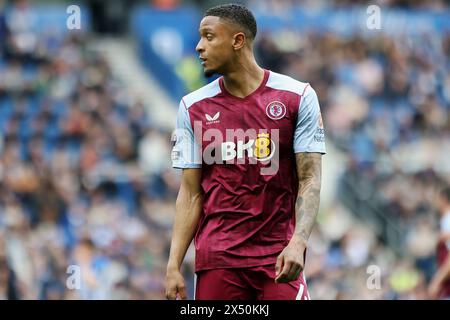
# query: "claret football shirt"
246,148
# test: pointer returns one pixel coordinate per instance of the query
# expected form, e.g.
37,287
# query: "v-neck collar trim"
261,87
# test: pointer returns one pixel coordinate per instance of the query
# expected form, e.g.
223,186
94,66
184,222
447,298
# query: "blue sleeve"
186,151
309,135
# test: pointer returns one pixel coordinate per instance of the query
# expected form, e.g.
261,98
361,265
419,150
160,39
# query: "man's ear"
239,41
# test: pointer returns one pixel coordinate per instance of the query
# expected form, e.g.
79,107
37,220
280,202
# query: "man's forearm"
188,210
309,171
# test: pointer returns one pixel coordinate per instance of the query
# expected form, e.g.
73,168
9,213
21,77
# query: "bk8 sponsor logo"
261,149
234,146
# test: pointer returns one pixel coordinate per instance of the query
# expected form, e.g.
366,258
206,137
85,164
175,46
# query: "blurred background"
86,117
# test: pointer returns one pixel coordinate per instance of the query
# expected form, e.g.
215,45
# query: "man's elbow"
310,185
186,199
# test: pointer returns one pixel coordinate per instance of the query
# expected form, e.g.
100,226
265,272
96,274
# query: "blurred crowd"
385,102
280,6
87,195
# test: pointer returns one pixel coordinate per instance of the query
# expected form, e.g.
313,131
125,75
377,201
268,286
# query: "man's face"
216,45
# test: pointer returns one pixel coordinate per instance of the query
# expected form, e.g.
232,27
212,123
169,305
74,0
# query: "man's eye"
209,37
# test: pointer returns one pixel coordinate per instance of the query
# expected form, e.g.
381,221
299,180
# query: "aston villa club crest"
276,110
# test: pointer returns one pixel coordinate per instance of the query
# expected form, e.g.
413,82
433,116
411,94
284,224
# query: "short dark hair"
238,14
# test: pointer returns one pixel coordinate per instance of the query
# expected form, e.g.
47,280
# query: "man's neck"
244,79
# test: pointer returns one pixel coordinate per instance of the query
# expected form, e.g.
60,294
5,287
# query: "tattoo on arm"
309,171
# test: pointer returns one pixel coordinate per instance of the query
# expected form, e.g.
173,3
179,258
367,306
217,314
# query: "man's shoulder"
207,91
283,82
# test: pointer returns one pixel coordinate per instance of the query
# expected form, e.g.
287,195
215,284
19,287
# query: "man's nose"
199,48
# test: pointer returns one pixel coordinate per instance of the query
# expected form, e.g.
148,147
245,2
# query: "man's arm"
188,210
291,260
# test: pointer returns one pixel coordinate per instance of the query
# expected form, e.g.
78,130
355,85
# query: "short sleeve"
186,151
309,135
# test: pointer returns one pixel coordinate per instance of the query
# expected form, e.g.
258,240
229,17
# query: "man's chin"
209,73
